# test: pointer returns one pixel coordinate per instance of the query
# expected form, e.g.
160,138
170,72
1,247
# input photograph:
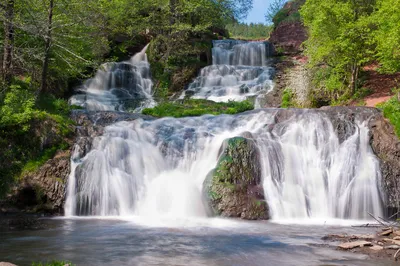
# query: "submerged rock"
234,187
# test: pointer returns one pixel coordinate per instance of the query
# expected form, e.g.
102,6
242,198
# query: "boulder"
44,190
234,187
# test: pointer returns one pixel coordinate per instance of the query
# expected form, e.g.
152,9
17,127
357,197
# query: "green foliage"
33,165
252,31
53,263
17,109
344,36
339,39
30,132
194,107
387,34
286,14
288,99
274,9
391,110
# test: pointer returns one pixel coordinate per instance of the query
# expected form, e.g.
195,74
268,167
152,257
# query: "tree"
48,42
387,34
273,9
56,40
8,42
339,41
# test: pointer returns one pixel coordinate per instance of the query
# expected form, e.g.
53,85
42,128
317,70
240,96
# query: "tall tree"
47,46
339,40
387,34
8,43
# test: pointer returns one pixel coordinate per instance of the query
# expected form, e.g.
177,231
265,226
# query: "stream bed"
92,241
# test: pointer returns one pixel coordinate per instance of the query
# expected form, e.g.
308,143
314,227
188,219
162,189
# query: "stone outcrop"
386,146
289,32
234,188
44,189
288,37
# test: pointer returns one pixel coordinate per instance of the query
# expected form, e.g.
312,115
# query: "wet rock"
376,248
44,189
234,188
355,244
386,232
391,247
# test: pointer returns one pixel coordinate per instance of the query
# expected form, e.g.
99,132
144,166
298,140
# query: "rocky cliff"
234,187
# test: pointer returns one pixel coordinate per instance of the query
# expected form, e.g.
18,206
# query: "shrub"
288,99
391,110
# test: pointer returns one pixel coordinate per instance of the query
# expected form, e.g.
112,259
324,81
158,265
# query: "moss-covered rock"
234,187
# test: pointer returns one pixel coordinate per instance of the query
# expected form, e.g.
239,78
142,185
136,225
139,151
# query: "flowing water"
118,87
157,168
213,242
240,70
136,198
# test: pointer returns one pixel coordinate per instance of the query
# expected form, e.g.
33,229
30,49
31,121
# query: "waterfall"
240,70
157,168
118,86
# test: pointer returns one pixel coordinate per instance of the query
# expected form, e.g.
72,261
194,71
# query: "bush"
391,110
195,107
288,99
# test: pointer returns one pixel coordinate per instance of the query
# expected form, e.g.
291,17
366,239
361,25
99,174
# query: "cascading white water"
118,86
240,70
157,168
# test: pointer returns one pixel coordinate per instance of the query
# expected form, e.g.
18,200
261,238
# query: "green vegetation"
290,14
391,110
288,98
345,36
31,131
252,31
193,107
49,46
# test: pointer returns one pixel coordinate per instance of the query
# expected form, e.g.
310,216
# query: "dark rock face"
386,146
288,37
234,188
41,191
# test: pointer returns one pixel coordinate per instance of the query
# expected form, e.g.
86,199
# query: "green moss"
194,107
391,110
22,141
33,165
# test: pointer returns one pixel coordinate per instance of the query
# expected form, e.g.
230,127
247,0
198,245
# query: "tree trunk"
172,9
354,79
8,41
48,40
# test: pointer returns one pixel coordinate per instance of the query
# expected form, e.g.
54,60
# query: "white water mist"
118,86
157,168
240,70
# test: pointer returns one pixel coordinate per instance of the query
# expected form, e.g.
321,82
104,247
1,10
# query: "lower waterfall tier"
314,164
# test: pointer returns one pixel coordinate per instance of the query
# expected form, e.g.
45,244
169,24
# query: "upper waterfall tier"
315,164
240,70
118,87
243,53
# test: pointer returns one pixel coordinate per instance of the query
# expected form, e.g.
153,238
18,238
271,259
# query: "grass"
391,110
288,99
196,107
